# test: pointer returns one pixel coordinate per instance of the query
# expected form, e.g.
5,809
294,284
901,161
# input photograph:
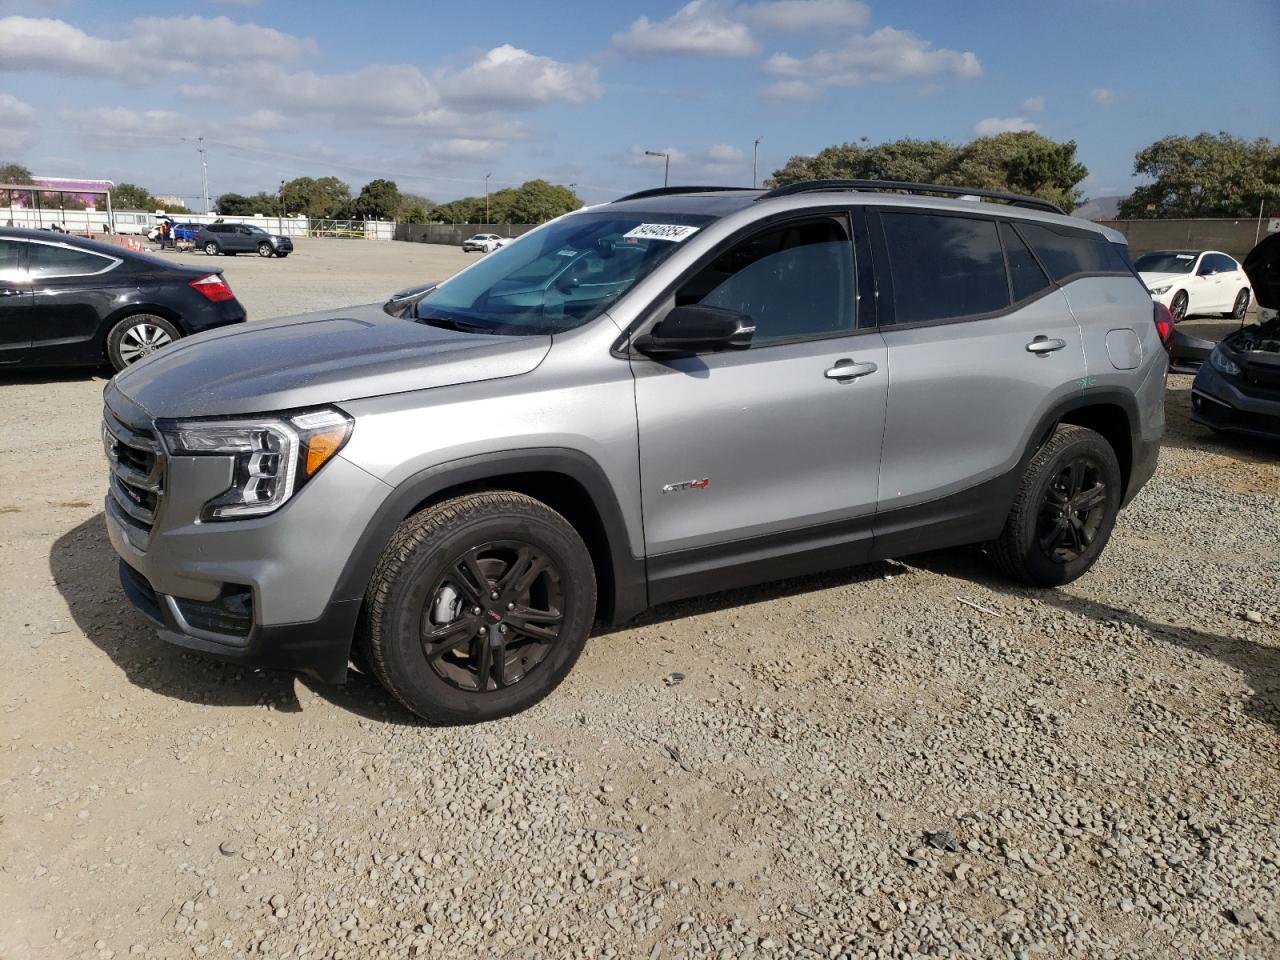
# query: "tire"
1241,305
138,336
427,580
264,249
211,249
1178,306
1027,548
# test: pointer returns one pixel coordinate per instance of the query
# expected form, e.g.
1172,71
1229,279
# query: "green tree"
378,200
1204,176
14,173
130,196
1021,162
415,208
238,205
538,201
324,197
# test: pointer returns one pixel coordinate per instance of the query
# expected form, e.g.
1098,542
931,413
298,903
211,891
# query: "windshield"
559,276
1165,262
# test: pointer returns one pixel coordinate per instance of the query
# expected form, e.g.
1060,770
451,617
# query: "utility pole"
755,152
486,198
666,171
204,169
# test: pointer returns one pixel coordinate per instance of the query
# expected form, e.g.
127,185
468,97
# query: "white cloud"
701,28
1103,96
1033,105
991,126
17,122
792,90
154,45
510,77
885,56
717,163
808,14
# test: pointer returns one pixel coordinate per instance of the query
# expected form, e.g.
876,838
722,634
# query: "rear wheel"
478,607
138,336
211,249
264,249
1064,511
1241,306
1178,306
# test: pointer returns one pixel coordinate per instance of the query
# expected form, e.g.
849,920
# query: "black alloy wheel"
1073,509
493,617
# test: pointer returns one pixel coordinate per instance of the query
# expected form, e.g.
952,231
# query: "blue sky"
435,95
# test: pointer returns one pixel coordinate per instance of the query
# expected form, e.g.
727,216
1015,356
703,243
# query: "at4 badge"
682,485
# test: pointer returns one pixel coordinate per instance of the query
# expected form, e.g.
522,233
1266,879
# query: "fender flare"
629,589
1092,398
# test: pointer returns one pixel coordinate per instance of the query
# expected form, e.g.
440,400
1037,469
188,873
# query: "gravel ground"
898,760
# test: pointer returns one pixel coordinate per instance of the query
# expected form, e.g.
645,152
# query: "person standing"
164,234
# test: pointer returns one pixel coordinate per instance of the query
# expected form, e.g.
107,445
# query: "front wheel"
1064,510
211,249
1178,306
264,249
139,336
478,607
1241,306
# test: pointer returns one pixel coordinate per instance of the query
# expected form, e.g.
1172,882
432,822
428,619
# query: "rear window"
944,267
1067,253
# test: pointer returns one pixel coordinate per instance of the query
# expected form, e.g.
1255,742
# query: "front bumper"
263,591
1218,403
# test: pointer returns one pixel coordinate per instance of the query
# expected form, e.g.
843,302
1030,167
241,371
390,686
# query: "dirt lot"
898,760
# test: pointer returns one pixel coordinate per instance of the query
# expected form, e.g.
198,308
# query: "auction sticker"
674,232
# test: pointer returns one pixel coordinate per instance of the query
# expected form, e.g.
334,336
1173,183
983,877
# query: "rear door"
759,462
73,291
980,346
15,301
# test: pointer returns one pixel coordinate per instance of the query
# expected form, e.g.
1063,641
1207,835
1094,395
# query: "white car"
484,242
1192,282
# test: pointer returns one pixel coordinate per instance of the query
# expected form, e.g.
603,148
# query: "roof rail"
885,186
671,191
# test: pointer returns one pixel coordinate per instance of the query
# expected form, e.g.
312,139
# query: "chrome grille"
137,469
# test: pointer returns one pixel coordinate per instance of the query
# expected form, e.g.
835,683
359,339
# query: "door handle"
1043,345
850,370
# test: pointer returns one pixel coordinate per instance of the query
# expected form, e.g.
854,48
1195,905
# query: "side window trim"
112,262
664,302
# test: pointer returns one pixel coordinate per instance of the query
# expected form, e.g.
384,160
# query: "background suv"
69,301
679,392
233,238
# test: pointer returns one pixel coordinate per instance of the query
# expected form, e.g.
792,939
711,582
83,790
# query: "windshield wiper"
451,323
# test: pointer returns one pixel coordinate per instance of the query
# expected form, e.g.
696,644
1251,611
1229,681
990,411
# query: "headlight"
1222,363
1157,291
274,456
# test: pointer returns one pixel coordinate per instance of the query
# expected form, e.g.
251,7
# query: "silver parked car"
676,393
483,242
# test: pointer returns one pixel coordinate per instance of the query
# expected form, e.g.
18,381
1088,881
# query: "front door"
761,463
15,302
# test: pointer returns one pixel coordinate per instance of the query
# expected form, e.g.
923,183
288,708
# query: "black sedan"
69,301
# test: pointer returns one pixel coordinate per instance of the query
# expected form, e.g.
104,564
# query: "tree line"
1205,175
1200,176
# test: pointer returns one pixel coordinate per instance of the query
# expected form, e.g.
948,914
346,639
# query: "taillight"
1164,324
215,288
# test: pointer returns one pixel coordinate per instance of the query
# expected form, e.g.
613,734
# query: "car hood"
314,359
1262,266
1160,279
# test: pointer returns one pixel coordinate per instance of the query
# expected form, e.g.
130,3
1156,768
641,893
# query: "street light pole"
486,198
204,169
755,152
666,170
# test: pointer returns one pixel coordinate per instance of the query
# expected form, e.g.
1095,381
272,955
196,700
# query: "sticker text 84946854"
674,232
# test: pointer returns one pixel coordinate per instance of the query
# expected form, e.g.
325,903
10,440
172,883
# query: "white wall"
136,222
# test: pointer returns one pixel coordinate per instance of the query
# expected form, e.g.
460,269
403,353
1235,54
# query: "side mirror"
695,329
401,304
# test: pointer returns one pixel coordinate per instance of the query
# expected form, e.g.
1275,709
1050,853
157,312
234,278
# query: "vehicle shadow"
85,570
1258,664
17,375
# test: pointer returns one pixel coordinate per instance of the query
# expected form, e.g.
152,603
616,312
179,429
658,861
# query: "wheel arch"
135,309
1111,413
568,481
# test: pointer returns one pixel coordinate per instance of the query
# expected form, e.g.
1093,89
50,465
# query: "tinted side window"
944,267
1024,273
46,261
794,281
11,261
1221,262
1067,254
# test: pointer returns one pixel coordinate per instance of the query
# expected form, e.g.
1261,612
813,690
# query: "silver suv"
676,393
